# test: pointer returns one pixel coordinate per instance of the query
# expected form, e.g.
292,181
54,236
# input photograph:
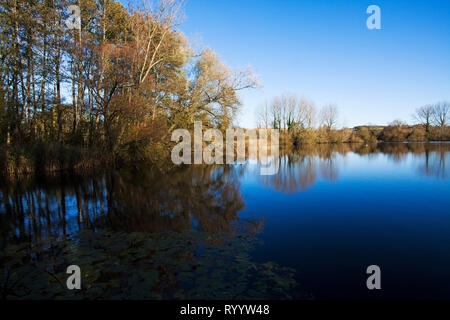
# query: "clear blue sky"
324,51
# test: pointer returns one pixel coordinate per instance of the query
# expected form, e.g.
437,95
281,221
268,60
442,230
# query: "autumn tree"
119,84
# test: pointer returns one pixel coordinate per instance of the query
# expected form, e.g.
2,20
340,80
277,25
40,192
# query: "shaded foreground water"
225,232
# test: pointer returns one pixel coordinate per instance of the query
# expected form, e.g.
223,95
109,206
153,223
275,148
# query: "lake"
310,231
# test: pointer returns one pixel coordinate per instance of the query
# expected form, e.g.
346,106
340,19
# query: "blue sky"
323,50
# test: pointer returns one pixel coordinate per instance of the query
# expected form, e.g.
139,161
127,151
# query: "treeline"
301,122
109,91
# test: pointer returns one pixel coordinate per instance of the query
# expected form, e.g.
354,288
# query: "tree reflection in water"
203,197
136,235
300,169
143,234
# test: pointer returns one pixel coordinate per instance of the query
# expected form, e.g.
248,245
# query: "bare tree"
276,113
397,123
289,102
329,116
425,116
287,112
441,113
263,116
305,113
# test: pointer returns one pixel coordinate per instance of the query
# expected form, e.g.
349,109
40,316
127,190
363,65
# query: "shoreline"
89,161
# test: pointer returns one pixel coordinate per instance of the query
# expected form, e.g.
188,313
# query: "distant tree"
424,115
263,117
329,116
287,112
397,123
396,131
276,113
441,113
367,135
289,105
418,133
306,113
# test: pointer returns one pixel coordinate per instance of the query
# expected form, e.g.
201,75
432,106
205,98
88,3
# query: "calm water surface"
330,212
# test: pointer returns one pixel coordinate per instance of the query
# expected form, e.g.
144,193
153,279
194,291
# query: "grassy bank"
42,158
